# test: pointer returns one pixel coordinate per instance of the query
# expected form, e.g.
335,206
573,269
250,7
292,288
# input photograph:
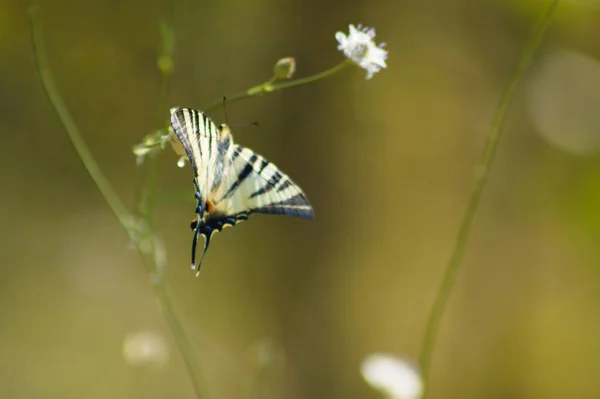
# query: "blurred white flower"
563,101
145,348
267,353
360,47
394,377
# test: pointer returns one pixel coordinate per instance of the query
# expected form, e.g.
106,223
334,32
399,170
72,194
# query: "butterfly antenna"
245,124
225,110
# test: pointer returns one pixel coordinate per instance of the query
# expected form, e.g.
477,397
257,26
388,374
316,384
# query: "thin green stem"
149,171
111,197
310,79
165,64
147,201
483,171
183,343
154,141
270,86
140,231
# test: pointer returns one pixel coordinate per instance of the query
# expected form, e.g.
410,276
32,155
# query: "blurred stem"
483,171
147,201
258,389
146,189
140,231
271,85
111,197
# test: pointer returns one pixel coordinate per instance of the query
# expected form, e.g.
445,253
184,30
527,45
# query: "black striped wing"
250,184
232,182
254,185
205,147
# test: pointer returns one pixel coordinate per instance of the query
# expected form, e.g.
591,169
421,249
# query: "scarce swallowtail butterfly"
231,182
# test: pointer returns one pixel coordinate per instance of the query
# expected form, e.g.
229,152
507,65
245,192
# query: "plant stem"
266,87
148,244
111,197
183,343
270,86
145,200
483,171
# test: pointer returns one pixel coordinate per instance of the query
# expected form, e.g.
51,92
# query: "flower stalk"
271,85
156,140
358,46
458,251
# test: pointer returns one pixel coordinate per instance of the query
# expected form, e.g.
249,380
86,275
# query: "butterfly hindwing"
231,182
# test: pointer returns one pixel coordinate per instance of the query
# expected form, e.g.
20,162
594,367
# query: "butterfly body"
231,182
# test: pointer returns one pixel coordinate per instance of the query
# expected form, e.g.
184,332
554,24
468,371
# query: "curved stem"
148,245
183,343
483,170
270,86
111,197
310,79
146,187
266,87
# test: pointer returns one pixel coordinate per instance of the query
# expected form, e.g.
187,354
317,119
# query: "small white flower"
360,47
145,348
396,378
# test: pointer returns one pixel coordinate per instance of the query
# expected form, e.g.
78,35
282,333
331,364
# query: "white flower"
360,47
396,378
145,348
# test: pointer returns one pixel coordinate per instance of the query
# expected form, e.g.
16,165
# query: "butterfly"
231,182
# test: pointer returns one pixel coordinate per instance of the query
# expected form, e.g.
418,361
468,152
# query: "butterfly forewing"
232,182
258,186
202,143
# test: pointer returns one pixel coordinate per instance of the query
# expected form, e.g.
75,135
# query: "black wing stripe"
295,206
269,186
207,127
303,213
263,165
284,185
236,153
195,122
247,171
181,122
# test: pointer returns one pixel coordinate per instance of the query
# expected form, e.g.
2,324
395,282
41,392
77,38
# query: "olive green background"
387,164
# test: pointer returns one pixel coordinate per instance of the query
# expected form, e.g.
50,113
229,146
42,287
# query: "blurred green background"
387,164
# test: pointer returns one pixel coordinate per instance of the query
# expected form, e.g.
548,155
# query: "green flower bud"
285,68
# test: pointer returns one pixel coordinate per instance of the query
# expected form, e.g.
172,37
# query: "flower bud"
285,68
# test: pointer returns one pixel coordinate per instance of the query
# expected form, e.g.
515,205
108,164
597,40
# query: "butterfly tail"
194,243
206,243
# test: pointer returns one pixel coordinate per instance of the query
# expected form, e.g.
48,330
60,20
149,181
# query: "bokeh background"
387,164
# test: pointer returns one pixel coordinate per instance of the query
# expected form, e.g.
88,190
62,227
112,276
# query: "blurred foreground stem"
139,228
483,171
